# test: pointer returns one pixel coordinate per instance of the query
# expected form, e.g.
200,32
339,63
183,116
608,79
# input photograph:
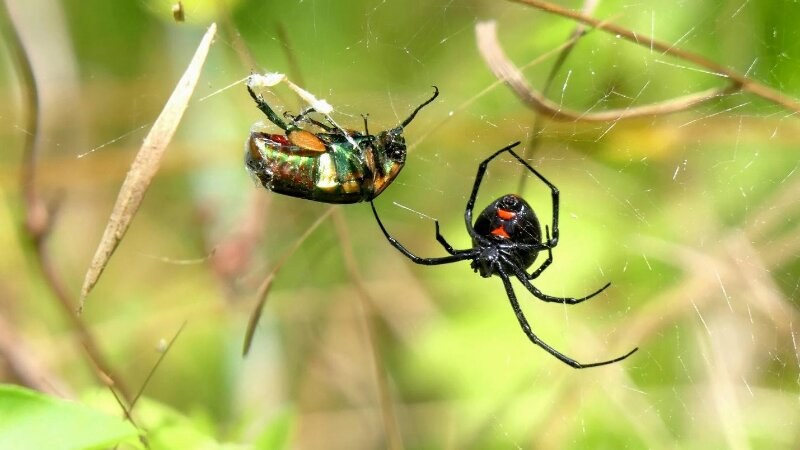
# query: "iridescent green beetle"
334,166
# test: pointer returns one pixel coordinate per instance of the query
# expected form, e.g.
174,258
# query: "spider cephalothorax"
509,225
506,239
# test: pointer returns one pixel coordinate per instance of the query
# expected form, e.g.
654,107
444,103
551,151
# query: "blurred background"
693,218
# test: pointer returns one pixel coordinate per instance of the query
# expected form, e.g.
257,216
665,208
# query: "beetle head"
393,145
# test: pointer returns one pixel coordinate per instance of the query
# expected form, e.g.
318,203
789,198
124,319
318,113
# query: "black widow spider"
506,239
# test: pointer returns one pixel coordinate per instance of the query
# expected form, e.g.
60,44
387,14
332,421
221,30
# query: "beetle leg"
265,108
366,128
303,117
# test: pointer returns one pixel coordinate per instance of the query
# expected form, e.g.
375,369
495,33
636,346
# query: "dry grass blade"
505,70
145,166
263,290
394,439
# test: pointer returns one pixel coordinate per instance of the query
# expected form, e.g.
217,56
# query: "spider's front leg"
546,262
553,192
449,248
456,255
477,184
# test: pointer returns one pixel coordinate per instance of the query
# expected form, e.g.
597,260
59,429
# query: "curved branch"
534,140
39,219
746,83
505,70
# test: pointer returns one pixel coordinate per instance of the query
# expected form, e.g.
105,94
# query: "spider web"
692,216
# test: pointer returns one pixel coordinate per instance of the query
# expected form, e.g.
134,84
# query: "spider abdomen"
511,220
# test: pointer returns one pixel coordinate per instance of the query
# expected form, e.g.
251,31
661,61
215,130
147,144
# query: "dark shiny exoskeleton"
333,166
506,239
509,218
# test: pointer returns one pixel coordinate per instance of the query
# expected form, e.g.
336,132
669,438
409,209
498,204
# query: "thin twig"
494,84
505,70
38,220
367,312
650,42
579,31
23,363
127,412
535,139
152,372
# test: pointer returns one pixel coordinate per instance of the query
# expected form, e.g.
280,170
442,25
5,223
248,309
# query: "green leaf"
168,428
31,420
277,433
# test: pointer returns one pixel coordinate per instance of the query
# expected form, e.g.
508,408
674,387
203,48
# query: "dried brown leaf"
145,165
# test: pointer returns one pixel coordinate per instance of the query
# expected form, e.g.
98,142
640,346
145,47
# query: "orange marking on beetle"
505,214
306,140
500,231
253,148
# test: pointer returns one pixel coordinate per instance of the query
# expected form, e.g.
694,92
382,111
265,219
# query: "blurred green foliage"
70,426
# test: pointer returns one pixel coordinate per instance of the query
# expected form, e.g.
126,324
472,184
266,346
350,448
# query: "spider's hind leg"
536,340
523,278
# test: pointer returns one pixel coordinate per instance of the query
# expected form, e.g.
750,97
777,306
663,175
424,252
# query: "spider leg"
547,262
554,192
535,339
477,184
265,108
446,244
457,255
523,278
